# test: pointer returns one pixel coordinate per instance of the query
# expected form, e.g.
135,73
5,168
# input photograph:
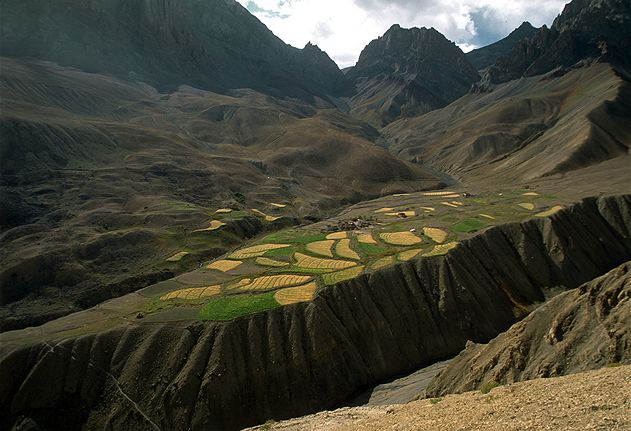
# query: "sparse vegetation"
436,400
488,386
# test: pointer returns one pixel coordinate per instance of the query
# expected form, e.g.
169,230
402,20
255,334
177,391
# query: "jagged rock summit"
599,29
408,72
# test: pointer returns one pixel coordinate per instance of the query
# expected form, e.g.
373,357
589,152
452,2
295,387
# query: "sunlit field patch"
192,293
468,225
384,210
305,261
428,209
347,274
402,214
322,248
177,256
366,238
527,206
214,225
344,249
400,238
382,263
531,194
255,251
231,307
294,295
457,203
274,204
449,204
437,235
264,261
404,256
224,265
438,193
223,211
267,217
551,211
487,216
270,282
337,235
441,249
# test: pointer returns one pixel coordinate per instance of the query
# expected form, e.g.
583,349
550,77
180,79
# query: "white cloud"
343,28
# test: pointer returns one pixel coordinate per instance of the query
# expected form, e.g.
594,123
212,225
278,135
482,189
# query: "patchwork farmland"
292,264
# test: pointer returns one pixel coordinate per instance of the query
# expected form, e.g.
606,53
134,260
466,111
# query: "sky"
343,28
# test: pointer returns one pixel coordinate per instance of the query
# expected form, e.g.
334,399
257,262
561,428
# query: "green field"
231,307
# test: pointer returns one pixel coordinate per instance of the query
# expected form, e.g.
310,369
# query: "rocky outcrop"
583,329
307,357
585,29
210,44
408,72
483,57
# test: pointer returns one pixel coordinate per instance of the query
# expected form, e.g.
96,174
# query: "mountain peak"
599,29
418,65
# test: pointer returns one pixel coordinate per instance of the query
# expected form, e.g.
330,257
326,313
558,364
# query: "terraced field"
289,266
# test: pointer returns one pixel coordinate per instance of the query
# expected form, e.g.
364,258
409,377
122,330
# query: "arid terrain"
595,400
203,227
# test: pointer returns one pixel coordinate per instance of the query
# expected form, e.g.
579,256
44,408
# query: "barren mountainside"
583,329
408,72
205,228
210,44
585,28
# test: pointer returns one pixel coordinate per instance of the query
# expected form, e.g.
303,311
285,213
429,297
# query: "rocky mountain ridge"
585,29
408,72
212,44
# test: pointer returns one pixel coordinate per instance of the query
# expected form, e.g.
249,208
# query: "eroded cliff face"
583,329
303,358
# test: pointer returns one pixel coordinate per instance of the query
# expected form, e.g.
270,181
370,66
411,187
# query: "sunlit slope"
525,129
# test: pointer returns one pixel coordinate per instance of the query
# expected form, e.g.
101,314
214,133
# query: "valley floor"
595,400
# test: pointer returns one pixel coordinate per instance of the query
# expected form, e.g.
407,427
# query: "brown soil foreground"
596,400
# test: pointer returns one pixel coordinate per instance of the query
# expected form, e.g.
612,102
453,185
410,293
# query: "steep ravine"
303,358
